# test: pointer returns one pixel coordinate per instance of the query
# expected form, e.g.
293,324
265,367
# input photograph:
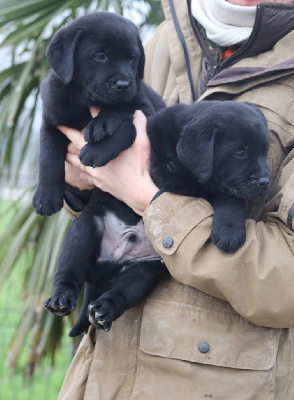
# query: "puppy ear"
195,149
141,64
256,109
60,53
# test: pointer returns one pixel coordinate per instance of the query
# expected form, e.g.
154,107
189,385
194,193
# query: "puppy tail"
91,293
81,326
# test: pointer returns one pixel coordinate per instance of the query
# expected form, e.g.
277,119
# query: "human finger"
75,136
94,111
142,142
74,160
72,149
140,120
72,177
88,178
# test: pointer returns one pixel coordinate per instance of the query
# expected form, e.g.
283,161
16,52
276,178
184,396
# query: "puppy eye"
132,58
242,153
132,237
101,56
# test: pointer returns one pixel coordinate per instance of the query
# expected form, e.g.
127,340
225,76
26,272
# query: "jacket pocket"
189,352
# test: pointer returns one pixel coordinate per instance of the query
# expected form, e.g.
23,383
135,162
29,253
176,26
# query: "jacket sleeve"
75,200
257,280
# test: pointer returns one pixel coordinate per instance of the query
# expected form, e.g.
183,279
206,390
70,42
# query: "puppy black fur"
98,60
215,150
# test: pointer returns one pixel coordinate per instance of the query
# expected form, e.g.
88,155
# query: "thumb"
142,143
140,122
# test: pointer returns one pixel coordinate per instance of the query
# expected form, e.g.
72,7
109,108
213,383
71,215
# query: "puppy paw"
61,304
97,154
99,315
47,202
103,125
228,238
96,130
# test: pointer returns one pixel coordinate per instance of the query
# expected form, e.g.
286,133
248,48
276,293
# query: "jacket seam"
72,392
275,123
184,47
198,308
176,215
291,380
283,232
167,226
215,364
128,374
290,217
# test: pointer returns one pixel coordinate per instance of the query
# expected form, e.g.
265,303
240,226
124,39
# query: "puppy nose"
122,85
263,182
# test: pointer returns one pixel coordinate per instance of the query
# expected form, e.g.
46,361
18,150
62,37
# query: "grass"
47,379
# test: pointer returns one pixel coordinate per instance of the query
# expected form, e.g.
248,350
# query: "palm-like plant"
26,27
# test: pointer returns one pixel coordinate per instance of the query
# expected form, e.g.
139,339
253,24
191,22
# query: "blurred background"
35,350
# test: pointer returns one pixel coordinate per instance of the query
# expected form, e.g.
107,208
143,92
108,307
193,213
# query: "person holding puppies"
222,326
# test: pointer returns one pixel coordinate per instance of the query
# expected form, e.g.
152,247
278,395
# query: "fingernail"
60,128
138,113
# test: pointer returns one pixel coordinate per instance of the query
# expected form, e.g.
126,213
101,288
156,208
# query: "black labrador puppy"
215,150
210,149
97,60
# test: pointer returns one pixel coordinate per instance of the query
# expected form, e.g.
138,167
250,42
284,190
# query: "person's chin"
244,2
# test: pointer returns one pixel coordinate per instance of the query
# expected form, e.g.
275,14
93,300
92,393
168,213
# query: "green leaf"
29,243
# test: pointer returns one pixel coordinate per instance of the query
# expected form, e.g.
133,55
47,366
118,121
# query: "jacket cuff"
286,208
76,199
69,211
169,219
157,194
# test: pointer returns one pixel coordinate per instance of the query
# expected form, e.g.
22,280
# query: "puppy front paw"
61,304
105,124
47,202
93,156
99,315
228,238
96,130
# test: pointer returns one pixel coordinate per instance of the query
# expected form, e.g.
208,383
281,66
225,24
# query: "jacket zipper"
184,46
235,57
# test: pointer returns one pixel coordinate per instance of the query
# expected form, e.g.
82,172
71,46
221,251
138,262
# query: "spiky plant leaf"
29,242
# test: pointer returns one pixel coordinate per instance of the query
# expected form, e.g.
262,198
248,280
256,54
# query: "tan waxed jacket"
239,307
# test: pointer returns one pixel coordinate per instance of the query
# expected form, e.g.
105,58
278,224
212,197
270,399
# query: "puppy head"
228,144
100,53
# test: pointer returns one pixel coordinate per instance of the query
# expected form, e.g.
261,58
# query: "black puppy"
97,60
221,144
214,150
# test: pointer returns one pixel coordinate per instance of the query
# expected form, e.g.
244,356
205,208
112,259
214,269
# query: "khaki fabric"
240,304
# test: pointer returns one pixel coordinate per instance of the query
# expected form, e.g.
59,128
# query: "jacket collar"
270,52
273,22
264,66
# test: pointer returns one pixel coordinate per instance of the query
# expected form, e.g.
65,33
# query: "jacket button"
204,347
167,242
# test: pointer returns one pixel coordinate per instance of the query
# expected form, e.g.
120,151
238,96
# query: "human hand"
127,177
72,173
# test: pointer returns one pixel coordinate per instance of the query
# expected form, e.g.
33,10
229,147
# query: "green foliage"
27,27
47,380
30,243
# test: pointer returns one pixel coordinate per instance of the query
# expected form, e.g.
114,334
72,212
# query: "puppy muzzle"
252,188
